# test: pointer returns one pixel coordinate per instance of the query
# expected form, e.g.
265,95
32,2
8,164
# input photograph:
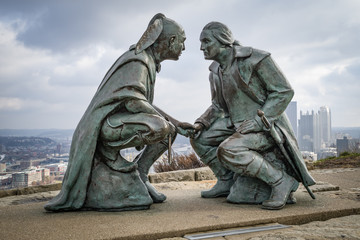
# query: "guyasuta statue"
121,115
244,136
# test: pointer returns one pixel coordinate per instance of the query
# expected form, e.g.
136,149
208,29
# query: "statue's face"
177,45
210,45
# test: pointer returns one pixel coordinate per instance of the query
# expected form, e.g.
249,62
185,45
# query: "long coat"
131,77
255,83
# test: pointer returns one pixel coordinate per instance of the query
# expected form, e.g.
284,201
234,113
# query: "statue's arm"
167,116
134,79
184,128
277,87
141,106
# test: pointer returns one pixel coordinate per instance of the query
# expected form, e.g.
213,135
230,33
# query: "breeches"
233,150
125,130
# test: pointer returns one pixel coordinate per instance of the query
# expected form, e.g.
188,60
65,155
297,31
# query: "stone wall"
199,174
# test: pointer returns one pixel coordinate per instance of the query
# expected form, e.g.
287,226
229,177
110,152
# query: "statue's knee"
228,153
163,129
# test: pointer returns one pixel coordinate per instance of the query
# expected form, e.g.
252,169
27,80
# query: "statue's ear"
172,40
150,35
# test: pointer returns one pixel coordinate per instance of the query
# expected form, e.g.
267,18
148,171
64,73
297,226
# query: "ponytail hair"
221,33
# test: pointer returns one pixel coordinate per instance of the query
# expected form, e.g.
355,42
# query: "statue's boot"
280,192
281,183
144,161
225,179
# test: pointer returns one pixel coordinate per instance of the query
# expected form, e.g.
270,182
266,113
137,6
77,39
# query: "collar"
242,52
239,52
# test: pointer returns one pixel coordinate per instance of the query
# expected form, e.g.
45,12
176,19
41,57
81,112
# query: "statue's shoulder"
130,56
245,52
250,54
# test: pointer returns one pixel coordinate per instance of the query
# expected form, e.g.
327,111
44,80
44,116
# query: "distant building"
306,134
5,181
57,169
327,152
347,145
314,131
291,112
44,172
25,164
29,177
325,125
25,179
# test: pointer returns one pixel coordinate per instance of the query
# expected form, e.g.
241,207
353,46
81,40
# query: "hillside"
346,160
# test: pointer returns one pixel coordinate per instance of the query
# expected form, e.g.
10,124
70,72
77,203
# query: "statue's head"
164,36
215,38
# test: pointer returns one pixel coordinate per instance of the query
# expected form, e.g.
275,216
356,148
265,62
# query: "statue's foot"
280,193
156,196
221,189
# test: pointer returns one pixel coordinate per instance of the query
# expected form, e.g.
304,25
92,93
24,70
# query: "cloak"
132,76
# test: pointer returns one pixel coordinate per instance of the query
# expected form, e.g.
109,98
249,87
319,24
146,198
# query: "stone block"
173,176
204,173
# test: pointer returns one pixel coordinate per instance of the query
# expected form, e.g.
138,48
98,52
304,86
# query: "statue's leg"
124,130
147,158
205,147
240,153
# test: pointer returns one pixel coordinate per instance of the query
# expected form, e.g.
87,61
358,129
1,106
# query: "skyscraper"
291,112
325,125
307,125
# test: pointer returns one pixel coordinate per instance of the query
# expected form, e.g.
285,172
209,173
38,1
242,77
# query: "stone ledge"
30,190
198,174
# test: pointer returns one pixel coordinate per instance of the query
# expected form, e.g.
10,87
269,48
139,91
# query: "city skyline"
315,130
54,58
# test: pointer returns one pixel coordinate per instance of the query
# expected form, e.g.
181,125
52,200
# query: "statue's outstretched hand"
198,127
249,126
185,129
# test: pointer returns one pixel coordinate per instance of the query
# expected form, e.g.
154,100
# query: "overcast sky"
54,54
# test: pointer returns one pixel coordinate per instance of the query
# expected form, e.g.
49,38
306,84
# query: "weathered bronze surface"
253,162
244,136
121,115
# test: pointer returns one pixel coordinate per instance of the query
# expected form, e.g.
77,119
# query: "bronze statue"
121,115
245,136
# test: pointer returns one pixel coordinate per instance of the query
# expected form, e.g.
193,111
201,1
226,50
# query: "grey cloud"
302,35
64,25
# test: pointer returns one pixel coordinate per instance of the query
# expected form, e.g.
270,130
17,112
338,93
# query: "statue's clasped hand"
249,126
186,129
198,127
